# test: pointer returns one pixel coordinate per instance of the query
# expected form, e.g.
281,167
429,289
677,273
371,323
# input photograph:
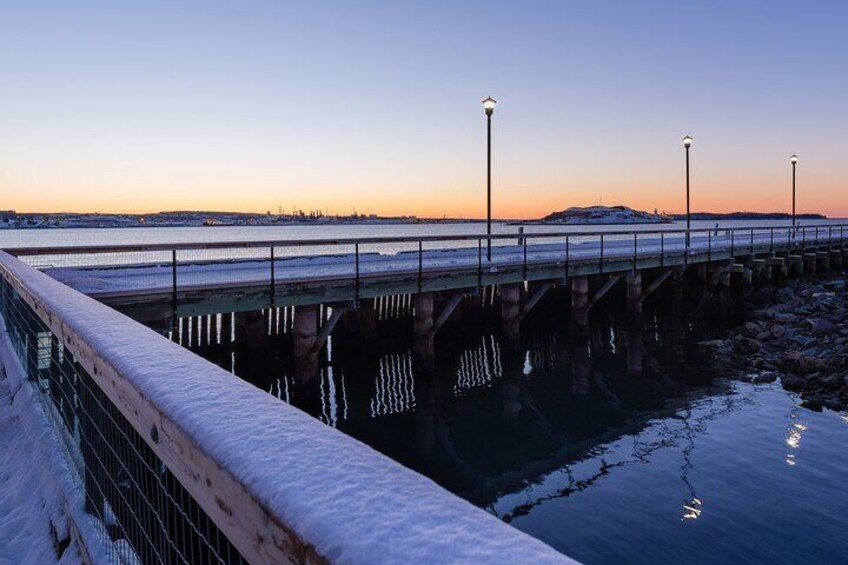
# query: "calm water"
625,449
117,236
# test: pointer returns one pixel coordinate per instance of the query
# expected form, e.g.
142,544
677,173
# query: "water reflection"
485,417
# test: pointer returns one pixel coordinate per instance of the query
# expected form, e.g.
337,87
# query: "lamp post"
687,143
489,108
794,160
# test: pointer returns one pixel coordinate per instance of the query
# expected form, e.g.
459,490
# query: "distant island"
599,215
609,215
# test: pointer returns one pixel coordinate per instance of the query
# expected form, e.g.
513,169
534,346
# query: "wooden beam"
656,284
446,312
537,296
328,328
603,290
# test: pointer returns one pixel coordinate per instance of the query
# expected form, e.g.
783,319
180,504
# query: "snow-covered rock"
604,215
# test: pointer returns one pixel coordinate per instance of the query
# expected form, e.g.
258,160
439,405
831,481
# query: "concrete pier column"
422,304
250,328
678,284
580,306
810,262
836,259
305,329
226,335
511,309
724,289
747,282
822,261
634,295
204,330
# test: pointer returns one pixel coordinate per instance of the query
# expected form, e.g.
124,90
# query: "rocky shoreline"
802,339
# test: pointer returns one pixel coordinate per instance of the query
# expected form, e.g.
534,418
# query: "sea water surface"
628,448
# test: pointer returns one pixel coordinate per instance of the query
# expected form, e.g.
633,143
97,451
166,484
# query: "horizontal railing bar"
328,242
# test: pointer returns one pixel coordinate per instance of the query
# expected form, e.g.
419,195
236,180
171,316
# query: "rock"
785,317
750,329
802,340
714,346
792,382
830,381
823,327
762,336
747,346
813,404
764,377
834,404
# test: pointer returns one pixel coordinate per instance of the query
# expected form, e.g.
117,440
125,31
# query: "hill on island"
604,215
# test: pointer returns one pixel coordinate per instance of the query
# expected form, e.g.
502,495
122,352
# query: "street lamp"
489,108
794,160
687,143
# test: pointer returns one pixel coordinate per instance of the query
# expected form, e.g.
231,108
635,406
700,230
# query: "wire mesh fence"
145,515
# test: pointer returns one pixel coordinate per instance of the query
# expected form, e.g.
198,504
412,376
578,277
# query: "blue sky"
250,105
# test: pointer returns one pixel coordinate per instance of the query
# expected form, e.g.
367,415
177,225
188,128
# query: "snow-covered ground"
152,277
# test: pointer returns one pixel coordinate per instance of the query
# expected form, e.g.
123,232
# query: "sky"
375,106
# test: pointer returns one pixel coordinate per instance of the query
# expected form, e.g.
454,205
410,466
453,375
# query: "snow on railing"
183,462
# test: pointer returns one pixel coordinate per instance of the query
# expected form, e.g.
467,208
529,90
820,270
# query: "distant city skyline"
375,106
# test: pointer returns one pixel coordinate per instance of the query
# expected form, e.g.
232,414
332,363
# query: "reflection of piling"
580,368
635,351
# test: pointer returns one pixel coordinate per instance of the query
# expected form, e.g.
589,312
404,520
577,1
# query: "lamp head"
489,105
793,159
687,141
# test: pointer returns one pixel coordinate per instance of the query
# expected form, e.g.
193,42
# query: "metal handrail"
200,246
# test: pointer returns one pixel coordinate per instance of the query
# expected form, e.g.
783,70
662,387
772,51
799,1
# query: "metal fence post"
602,253
174,283
709,247
635,251
356,260
420,265
273,280
566,257
662,249
524,243
479,264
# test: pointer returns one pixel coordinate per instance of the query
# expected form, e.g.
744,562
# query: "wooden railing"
186,462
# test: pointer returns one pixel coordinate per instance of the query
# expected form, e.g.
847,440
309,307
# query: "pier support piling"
305,329
634,295
580,306
511,309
